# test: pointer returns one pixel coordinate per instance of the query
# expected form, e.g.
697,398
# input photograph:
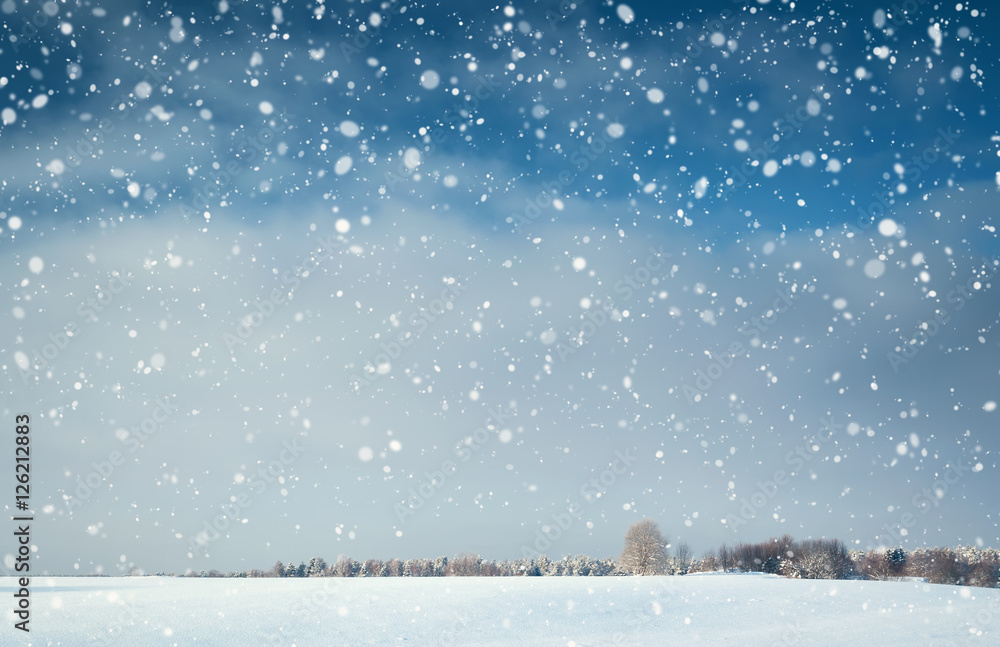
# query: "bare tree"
683,552
726,559
875,566
372,568
645,551
394,568
344,567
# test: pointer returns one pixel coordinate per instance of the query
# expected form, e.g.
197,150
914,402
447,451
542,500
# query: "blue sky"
498,279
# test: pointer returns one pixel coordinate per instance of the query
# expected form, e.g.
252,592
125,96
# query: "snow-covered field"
715,609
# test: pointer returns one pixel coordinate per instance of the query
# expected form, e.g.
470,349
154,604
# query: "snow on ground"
713,609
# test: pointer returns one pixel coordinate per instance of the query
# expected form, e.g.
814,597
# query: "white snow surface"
708,609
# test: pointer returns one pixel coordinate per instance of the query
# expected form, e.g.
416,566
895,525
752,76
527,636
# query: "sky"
403,279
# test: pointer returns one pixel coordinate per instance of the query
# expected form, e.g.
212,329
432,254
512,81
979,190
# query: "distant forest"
646,554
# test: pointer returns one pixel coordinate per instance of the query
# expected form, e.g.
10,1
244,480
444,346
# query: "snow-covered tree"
580,566
346,567
465,564
528,566
645,551
394,568
316,567
373,566
824,559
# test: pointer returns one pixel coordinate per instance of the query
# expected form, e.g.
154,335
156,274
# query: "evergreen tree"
897,560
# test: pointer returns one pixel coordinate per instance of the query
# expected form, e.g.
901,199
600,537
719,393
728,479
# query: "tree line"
647,552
